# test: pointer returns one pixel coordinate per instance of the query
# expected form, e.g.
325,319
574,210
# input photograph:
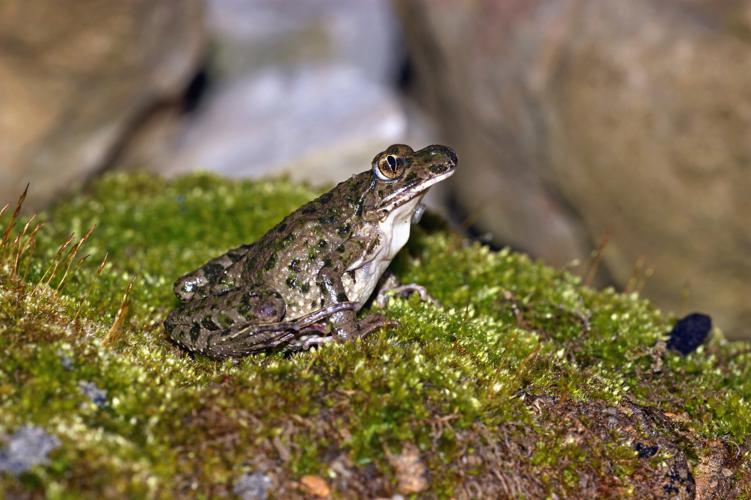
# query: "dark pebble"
645,451
689,333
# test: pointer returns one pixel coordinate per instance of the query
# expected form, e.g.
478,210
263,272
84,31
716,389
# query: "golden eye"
388,167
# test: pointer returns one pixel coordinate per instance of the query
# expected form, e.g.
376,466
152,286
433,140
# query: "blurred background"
584,127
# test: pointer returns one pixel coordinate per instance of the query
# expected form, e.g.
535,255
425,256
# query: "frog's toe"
307,339
403,291
373,322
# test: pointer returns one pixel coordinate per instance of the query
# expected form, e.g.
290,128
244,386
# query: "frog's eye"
388,167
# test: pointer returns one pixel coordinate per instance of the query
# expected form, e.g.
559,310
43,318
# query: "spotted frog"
302,283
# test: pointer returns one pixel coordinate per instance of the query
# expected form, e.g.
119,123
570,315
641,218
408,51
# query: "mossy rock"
523,382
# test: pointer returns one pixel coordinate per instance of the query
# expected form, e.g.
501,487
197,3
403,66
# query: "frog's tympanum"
302,283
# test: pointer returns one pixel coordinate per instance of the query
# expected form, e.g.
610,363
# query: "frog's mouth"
411,191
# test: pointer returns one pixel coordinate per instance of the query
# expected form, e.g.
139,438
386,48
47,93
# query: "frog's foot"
307,339
353,329
373,322
391,287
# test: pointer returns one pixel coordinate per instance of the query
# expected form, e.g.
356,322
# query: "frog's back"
289,257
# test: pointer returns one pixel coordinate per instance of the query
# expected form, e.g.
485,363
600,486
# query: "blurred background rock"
579,123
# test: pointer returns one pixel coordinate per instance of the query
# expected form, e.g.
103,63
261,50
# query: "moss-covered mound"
522,383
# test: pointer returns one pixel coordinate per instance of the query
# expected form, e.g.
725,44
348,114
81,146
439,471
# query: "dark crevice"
405,74
196,90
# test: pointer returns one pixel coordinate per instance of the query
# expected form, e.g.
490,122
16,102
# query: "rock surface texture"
578,120
304,88
73,85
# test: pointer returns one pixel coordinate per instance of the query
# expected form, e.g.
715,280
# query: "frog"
303,282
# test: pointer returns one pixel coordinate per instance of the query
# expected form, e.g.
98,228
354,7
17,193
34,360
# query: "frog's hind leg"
301,333
197,324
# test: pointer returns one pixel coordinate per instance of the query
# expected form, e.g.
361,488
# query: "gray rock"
98,396
253,35
66,361
26,448
302,88
319,123
252,486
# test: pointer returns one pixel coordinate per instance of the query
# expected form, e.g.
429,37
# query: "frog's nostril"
442,154
452,156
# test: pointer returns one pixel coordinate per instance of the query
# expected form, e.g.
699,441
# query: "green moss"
459,381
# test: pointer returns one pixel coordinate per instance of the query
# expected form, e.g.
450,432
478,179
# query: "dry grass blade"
80,262
14,217
115,330
2,210
30,248
101,266
22,242
52,269
596,259
72,256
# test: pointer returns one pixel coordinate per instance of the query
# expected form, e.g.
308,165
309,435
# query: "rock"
689,333
66,361
319,124
645,451
315,486
595,118
713,478
253,34
304,89
26,448
74,81
252,486
95,394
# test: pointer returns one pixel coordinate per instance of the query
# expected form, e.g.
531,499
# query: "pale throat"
394,229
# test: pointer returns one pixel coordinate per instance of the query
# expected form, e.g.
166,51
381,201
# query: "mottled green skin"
305,279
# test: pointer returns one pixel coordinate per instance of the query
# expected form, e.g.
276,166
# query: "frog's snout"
439,150
451,155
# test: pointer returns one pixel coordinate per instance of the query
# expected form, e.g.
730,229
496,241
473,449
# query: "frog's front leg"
344,323
214,277
390,286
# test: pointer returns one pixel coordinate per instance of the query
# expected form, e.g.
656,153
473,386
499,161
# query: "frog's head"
401,175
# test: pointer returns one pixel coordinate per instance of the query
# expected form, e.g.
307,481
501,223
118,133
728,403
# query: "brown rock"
713,478
576,119
316,486
75,80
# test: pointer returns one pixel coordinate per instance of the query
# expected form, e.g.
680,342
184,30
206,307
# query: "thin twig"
72,255
114,332
101,266
21,245
14,217
596,258
30,249
52,268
